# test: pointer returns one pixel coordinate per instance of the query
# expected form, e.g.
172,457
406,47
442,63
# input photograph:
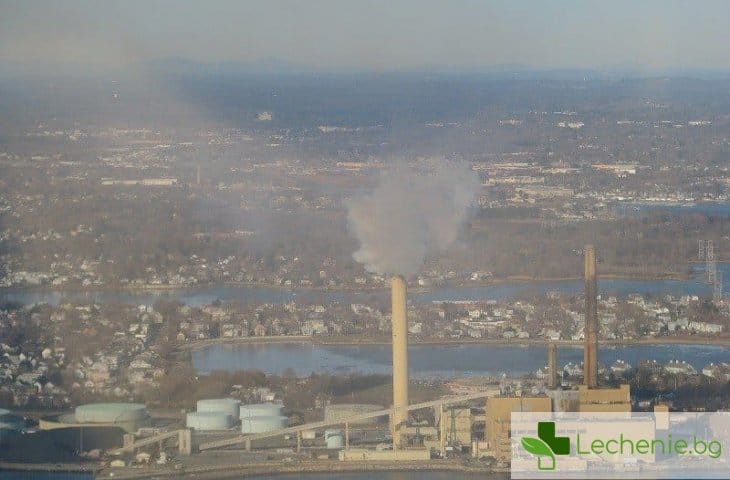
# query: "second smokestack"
590,352
553,380
399,315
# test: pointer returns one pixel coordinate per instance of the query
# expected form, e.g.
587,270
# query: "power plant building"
499,417
604,399
587,398
455,425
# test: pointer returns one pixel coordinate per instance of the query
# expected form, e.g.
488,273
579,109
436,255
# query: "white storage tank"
334,438
261,410
261,424
110,413
220,405
209,421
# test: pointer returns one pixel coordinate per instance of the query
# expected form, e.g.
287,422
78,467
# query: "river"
638,209
432,361
197,296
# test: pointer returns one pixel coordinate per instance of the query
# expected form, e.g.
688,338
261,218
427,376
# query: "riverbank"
329,467
359,340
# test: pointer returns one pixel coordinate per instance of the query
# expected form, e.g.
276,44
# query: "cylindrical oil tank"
220,405
342,411
209,421
8,421
261,424
261,410
334,438
111,413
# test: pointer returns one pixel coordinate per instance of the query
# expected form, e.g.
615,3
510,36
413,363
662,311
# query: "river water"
427,361
432,361
638,209
198,296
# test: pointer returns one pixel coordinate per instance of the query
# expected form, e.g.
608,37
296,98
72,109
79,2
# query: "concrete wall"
604,399
360,454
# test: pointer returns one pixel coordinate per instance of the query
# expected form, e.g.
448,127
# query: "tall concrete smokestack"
553,381
399,328
590,352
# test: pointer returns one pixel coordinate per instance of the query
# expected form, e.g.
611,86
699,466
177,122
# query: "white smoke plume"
411,214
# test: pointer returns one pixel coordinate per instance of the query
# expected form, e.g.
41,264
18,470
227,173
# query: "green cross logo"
546,445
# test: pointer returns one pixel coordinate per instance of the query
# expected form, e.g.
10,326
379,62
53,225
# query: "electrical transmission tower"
717,288
710,264
700,250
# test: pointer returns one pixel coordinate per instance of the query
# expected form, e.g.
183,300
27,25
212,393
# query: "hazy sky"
371,35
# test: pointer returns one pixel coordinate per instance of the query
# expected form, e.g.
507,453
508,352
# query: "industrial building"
589,397
498,421
459,424
456,423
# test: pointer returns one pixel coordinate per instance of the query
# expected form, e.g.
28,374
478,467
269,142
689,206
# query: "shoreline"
359,341
233,471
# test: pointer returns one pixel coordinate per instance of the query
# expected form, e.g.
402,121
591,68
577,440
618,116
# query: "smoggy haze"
374,35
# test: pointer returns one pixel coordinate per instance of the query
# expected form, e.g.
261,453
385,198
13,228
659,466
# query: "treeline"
182,387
